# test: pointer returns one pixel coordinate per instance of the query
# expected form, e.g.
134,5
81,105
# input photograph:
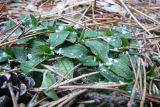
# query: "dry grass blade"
144,15
73,95
15,40
131,101
14,29
14,99
69,96
94,86
145,85
53,70
40,101
9,71
75,4
135,19
71,80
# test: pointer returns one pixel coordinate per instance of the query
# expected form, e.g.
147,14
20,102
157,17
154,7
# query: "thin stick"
145,86
135,84
94,86
40,101
144,15
14,99
89,20
135,18
150,29
6,43
76,4
69,104
71,97
12,70
17,26
54,103
73,69
54,71
95,4
133,67
71,80
150,89
56,58
4,68
84,13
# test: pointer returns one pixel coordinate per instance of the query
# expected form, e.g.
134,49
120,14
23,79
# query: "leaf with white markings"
34,20
110,75
65,66
48,80
89,61
58,38
3,56
122,70
99,48
20,53
92,33
74,51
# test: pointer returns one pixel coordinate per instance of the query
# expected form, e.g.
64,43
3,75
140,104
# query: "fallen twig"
14,99
71,80
99,98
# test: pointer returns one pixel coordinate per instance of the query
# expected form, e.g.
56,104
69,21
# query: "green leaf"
71,29
122,69
123,58
9,51
11,24
81,37
109,75
92,33
74,51
114,42
27,23
45,24
34,20
17,1
99,48
93,79
51,28
125,42
152,72
156,58
158,19
48,80
122,32
133,43
3,56
89,61
72,37
35,42
108,32
36,59
27,68
58,38
50,25
42,50
38,52
20,53
37,55
65,67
